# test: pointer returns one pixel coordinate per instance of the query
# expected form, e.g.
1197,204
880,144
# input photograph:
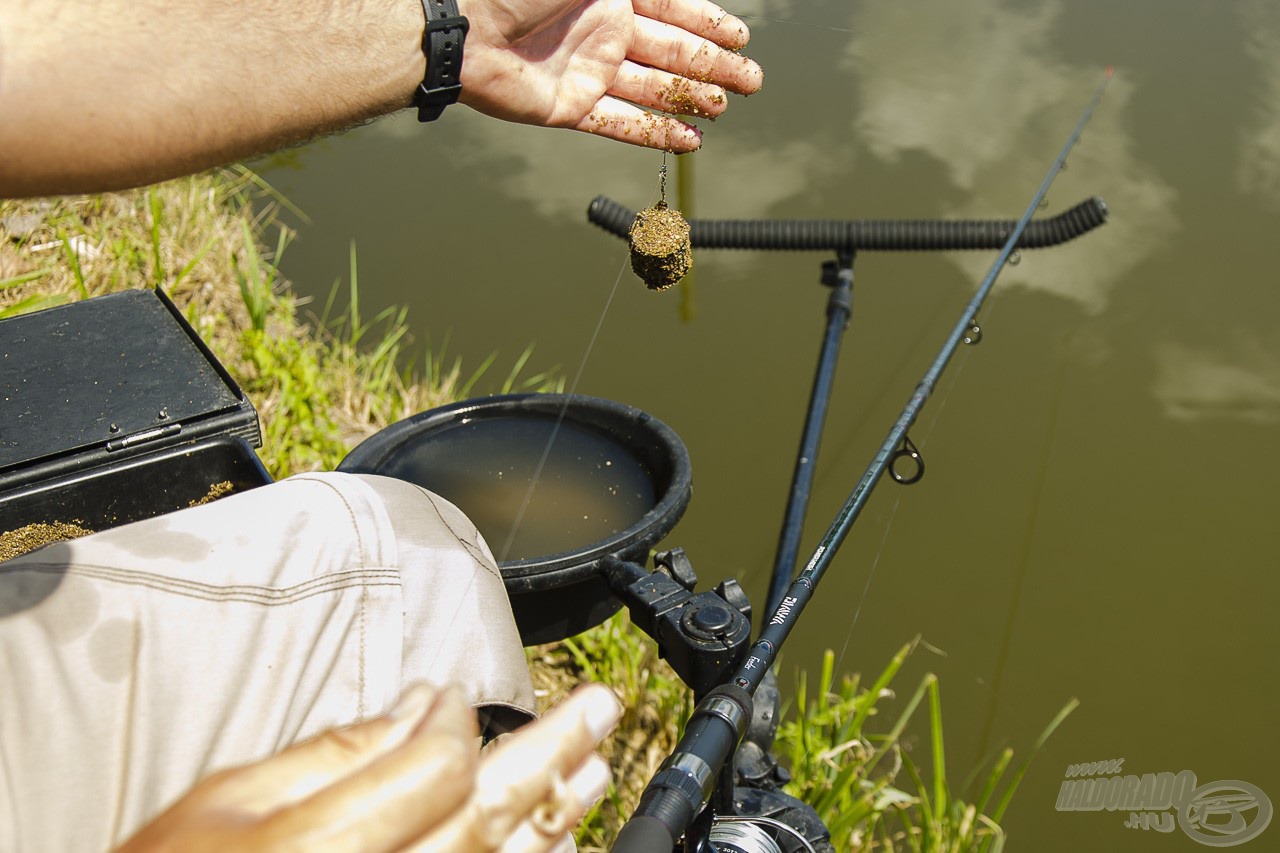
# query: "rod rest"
866,235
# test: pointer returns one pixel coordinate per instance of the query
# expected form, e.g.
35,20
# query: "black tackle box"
113,410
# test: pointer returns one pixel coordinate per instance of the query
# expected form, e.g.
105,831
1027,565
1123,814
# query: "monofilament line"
573,387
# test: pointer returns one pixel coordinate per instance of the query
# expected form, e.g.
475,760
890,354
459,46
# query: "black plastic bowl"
626,473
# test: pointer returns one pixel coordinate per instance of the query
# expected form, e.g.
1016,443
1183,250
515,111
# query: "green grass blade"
510,381
73,261
896,732
357,330
34,302
274,194
465,390
993,779
23,278
883,681
157,210
191,264
998,814
939,753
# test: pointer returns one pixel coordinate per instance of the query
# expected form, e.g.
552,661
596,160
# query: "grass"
869,788
324,383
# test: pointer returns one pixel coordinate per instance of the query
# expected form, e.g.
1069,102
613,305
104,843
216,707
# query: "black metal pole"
839,310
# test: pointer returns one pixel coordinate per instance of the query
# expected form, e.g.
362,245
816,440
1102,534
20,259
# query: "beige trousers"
138,660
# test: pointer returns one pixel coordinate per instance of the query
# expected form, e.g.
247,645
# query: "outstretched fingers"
397,797
679,63
533,787
616,119
660,90
681,52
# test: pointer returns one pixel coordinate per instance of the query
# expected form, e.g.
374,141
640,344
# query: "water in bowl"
590,488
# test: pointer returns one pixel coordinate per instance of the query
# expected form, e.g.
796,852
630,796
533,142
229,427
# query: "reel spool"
614,482
760,834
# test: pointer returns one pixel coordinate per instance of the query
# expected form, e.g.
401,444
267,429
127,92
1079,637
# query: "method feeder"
700,771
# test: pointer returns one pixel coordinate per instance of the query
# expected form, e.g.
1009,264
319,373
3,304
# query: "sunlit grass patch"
868,787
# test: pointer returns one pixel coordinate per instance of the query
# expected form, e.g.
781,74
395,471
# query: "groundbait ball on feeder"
660,252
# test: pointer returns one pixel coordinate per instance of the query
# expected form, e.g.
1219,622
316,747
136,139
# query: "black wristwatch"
442,44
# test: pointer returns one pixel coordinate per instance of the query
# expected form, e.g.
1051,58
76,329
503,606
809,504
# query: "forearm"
176,86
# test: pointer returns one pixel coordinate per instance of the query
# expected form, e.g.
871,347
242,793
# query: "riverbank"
325,377
322,377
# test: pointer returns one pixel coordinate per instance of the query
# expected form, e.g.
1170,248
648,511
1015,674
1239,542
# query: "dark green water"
1098,517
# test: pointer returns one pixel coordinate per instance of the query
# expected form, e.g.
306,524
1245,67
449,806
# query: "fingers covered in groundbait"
670,48
661,90
617,119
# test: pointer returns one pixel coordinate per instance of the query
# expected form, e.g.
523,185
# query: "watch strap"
442,45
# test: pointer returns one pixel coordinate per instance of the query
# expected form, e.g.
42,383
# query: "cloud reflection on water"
982,89
1259,171
1240,381
977,87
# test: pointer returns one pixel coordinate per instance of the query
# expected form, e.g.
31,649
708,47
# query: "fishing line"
799,24
546,451
875,563
573,387
1028,544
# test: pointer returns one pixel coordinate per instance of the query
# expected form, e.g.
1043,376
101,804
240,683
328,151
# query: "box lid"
107,374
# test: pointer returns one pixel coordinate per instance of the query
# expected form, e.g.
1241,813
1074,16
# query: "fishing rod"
677,797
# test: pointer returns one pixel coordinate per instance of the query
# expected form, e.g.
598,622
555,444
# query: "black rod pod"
607,459
668,806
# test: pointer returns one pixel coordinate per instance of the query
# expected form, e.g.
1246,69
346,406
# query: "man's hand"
593,64
412,780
